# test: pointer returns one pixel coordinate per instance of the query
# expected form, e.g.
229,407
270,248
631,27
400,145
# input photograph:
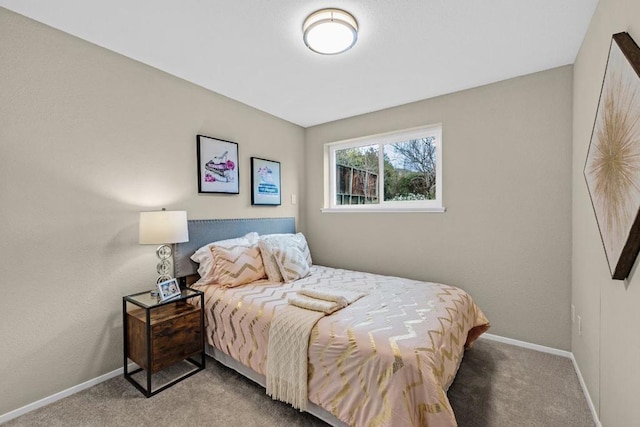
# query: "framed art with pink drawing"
217,166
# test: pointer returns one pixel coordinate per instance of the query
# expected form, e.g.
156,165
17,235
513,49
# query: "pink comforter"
385,360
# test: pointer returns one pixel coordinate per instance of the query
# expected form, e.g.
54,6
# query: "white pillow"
298,240
292,262
204,257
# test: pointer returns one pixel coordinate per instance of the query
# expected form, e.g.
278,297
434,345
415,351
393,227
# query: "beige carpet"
497,385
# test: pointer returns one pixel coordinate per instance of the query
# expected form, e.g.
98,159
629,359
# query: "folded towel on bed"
341,296
324,299
314,304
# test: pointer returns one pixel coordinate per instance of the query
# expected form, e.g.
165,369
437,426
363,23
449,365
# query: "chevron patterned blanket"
387,359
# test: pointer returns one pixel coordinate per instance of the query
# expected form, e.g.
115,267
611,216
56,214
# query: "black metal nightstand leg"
125,347
149,367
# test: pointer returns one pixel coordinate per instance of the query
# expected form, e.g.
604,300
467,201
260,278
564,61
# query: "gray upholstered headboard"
203,231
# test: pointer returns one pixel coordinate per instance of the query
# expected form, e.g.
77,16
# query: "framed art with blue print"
265,182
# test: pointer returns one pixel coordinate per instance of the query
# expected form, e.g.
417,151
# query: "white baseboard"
557,352
528,345
592,407
62,394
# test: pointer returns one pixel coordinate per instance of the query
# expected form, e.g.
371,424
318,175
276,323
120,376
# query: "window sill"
383,210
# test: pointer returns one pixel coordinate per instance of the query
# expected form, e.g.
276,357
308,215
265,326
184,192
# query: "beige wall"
608,350
89,138
506,235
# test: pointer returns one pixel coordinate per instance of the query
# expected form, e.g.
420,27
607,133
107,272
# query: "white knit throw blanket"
287,354
288,348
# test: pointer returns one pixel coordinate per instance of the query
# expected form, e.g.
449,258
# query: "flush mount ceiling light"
330,31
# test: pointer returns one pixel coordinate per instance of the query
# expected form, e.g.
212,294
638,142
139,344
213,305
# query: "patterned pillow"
298,240
292,262
270,264
205,260
236,265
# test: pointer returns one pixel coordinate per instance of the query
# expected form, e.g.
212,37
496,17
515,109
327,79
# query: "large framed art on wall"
217,166
612,167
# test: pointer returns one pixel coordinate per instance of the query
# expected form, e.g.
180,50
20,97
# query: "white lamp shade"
161,227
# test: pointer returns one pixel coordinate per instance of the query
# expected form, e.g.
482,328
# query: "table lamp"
163,228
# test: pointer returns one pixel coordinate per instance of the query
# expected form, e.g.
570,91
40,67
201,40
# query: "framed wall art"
612,167
265,182
217,166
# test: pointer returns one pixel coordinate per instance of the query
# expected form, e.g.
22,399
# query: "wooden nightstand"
159,334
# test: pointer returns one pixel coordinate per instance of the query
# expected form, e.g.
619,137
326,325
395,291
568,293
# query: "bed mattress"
386,359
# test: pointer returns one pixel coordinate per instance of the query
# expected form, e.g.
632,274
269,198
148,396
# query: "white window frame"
382,139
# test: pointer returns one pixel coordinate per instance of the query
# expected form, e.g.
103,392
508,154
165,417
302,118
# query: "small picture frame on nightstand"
169,289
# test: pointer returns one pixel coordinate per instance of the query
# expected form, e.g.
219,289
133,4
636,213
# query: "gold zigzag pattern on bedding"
237,265
404,339
292,262
403,324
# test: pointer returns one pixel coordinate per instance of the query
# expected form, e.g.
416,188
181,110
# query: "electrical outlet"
294,199
573,313
579,325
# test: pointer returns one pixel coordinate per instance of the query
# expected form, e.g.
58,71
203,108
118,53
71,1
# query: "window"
399,171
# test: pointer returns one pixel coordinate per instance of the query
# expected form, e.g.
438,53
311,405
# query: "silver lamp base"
163,268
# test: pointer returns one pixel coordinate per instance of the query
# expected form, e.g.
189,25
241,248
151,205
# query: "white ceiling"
252,50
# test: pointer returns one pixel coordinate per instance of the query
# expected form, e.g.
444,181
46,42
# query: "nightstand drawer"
176,334
175,340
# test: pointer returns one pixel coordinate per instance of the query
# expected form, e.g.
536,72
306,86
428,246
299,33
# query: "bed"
386,359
